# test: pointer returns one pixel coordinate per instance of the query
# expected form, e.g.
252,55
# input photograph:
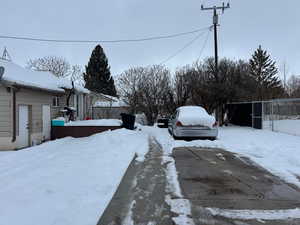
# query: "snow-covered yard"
285,126
67,181
71,181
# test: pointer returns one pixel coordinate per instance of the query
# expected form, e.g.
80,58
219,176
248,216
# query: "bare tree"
293,86
146,89
76,74
56,65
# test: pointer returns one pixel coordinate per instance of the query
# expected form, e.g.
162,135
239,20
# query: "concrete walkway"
212,178
140,198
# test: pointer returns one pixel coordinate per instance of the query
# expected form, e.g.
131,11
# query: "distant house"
108,107
28,102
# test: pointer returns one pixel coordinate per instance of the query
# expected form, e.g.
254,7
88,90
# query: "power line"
204,44
103,41
182,49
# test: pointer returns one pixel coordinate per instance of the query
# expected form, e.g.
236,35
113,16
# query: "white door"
46,122
23,126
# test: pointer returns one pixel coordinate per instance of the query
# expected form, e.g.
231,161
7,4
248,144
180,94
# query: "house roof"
110,101
18,75
112,104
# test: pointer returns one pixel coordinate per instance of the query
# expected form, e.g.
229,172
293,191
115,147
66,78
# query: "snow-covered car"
193,122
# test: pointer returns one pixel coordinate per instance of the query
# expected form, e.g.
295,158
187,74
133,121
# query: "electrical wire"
103,41
182,49
204,44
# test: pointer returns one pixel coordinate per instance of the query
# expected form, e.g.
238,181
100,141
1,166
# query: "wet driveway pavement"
221,188
214,180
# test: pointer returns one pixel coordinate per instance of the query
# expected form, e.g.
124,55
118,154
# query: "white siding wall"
5,112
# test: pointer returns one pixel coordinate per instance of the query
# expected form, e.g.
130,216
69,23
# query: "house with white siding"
29,100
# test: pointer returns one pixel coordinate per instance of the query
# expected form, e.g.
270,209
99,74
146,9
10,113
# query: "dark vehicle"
163,122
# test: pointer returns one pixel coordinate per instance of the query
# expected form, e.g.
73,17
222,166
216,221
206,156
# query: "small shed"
109,107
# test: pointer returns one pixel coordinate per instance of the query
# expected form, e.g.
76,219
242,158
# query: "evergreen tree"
97,76
264,71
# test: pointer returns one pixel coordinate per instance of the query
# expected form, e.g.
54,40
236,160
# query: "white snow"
67,181
195,115
101,122
285,126
256,214
110,104
38,79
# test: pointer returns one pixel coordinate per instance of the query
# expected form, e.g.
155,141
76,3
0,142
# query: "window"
55,101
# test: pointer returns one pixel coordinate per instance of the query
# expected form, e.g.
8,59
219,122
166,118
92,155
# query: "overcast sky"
273,24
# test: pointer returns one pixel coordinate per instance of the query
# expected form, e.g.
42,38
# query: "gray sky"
273,24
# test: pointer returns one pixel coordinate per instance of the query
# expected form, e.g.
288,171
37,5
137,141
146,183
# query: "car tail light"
215,124
178,124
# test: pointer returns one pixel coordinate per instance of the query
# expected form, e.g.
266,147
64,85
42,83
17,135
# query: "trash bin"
128,121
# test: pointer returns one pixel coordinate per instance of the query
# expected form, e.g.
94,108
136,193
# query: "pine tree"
97,76
264,72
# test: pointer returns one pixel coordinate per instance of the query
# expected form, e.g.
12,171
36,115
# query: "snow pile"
195,115
279,153
67,181
102,122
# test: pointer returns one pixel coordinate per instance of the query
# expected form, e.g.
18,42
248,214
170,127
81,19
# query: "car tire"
213,138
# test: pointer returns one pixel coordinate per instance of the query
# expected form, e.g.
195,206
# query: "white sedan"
193,122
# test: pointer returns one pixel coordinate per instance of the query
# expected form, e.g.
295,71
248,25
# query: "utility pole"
219,110
215,22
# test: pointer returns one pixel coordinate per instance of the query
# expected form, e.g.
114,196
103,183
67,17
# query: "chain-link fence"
282,115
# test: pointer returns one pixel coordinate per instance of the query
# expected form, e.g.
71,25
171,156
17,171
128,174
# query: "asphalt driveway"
214,180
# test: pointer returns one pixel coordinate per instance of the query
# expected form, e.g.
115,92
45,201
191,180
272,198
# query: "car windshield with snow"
193,122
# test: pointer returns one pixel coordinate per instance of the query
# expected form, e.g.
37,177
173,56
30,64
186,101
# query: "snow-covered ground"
71,181
67,181
102,122
285,126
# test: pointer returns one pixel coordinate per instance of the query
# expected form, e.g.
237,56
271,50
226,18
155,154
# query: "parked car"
193,122
163,122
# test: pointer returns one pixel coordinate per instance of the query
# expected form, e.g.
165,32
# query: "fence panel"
282,115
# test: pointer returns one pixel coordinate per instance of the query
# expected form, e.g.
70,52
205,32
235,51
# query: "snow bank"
102,122
67,181
279,153
195,115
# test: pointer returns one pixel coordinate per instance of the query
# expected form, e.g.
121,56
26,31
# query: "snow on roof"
112,104
36,79
195,115
81,89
